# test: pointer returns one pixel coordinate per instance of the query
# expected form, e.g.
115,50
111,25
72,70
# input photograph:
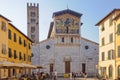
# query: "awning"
28,65
40,67
8,64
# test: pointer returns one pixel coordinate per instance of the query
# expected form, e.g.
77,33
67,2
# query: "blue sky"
92,10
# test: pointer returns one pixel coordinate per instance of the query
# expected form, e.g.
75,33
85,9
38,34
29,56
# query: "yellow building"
3,42
117,46
108,41
15,49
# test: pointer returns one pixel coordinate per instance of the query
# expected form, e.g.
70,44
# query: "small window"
32,29
20,40
9,52
20,55
32,36
29,58
47,46
111,38
110,54
103,56
102,27
32,14
110,21
4,49
119,51
15,39
15,54
118,29
62,39
77,31
3,27
72,40
29,46
86,47
9,34
103,41
24,43
24,57
32,20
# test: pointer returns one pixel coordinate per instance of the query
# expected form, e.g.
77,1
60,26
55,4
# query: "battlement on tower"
32,5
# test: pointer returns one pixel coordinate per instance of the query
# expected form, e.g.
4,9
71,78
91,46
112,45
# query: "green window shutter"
118,29
118,51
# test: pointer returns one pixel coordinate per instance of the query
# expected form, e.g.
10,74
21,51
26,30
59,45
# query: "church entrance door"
67,66
83,67
51,67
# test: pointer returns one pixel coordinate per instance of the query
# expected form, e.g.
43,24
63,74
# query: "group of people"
74,75
54,75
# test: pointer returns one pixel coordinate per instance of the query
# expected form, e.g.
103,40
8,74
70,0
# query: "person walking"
55,75
85,76
71,76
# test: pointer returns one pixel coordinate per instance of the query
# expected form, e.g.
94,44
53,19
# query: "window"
110,54
118,29
15,55
103,70
103,41
103,56
111,38
102,28
47,46
9,34
29,58
110,71
118,70
119,51
86,47
32,29
72,40
29,46
33,36
4,48
62,39
32,20
15,37
24,57
77,31
20,55
32,14
20,41
14,72
9,52
3,27
110,21
24,43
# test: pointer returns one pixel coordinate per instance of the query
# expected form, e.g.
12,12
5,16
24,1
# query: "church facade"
65,50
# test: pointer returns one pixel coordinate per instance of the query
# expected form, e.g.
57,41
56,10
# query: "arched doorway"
110,71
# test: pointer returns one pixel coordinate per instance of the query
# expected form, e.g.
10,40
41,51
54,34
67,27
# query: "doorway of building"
51,67
9,72
83,67
67,66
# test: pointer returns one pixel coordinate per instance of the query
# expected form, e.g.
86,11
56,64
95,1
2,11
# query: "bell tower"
33,22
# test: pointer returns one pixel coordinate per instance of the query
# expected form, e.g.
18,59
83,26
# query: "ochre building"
15,50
